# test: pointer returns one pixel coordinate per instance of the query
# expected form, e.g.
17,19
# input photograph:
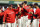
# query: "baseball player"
25,17
35,20
9,16
1,17
30,16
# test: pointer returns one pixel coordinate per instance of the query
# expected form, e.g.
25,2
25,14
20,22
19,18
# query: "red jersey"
17,10
9,16
37,13
1,17
1,14
30,15
26,8
22,12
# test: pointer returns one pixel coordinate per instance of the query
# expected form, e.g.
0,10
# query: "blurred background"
15,2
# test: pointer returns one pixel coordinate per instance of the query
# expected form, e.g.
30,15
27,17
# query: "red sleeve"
16,9
27,8
4,16
33,11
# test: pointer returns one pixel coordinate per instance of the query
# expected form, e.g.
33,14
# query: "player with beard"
9,16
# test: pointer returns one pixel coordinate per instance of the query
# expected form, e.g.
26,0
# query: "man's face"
29,6
10,7
35,6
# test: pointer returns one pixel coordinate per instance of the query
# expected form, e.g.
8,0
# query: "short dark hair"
36,4
25,2
20,5
31,5
5,6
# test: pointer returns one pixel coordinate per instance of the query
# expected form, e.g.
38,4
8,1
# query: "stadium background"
15,2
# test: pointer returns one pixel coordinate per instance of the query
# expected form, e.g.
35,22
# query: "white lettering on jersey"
27,7
11,13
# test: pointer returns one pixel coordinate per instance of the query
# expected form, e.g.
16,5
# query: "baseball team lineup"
22,16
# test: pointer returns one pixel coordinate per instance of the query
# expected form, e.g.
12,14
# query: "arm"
17,16
4,17
35,15
32,16
25,10
32,19
16,9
